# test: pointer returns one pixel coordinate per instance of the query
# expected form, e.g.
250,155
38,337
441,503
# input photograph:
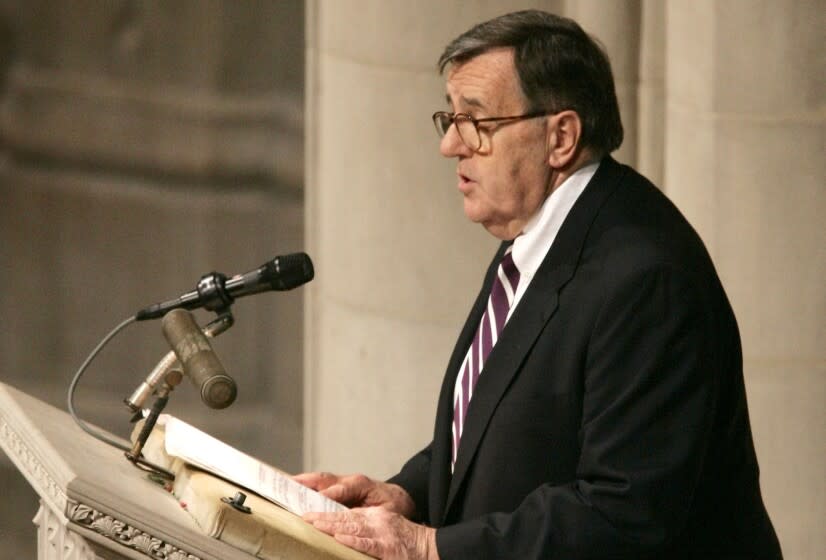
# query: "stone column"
398,263
616,25
744,159
651,123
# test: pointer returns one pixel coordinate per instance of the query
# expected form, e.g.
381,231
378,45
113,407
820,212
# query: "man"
594,404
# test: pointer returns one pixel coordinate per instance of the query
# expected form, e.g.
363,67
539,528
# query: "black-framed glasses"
468,127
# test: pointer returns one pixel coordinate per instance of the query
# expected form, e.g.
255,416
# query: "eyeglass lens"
464,126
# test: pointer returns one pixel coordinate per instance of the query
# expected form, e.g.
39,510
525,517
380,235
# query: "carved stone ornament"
124,534
31,467
55,542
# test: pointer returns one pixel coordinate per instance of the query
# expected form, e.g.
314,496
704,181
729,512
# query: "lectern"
95,505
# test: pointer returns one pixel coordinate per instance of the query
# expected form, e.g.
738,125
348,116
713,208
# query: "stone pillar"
651,123
398,263
744,161
616,25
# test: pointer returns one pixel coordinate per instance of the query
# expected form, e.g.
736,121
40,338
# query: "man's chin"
473,213
494,227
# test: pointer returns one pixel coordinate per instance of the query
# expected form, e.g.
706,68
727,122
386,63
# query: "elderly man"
594,404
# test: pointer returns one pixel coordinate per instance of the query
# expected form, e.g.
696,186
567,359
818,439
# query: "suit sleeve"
414,479
650,391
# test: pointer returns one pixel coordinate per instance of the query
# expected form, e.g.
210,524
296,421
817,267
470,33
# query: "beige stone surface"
691,163
651,123
690,48
771,238
186,88
766,57
409,35
377,397
788,419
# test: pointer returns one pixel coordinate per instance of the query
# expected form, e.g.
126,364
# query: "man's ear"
564,133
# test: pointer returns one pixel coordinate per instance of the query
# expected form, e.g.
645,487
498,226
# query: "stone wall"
143,144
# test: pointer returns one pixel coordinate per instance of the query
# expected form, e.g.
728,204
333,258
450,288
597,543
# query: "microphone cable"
73,385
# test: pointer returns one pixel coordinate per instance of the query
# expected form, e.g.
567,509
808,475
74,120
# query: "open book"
205,452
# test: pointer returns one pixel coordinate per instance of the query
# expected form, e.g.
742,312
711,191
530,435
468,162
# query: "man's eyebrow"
471,101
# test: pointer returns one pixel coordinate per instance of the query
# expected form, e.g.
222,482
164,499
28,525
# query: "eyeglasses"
468,127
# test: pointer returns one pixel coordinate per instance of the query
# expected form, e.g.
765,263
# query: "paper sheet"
204,451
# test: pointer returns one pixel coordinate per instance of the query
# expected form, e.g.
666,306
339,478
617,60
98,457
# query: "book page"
205,452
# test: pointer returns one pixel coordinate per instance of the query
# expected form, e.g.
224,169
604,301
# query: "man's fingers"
351,490
336,492
307,479
316,480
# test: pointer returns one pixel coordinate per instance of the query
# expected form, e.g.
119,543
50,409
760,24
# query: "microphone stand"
170,381
168,375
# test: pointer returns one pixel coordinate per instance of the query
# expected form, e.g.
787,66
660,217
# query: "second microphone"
199,361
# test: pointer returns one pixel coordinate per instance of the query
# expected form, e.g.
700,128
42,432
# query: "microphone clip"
213,293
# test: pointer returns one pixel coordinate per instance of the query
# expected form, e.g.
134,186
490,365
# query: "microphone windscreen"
289,271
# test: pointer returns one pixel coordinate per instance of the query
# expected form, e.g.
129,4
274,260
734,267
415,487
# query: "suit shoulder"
639,226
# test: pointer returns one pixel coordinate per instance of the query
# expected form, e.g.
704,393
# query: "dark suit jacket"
610,419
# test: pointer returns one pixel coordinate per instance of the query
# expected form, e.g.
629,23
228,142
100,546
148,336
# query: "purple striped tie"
490,327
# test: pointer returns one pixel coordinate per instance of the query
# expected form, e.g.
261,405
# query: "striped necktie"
490,327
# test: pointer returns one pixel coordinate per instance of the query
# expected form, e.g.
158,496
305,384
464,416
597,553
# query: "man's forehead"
484,80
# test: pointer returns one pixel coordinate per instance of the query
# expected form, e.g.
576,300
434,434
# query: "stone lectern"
94,505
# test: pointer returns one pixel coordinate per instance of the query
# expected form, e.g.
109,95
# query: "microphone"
198,359
215,291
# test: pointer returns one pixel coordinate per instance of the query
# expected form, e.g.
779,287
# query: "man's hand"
378,532
357,490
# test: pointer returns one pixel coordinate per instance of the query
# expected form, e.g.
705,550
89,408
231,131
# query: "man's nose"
451,144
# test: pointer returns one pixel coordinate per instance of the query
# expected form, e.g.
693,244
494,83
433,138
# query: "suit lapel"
537,306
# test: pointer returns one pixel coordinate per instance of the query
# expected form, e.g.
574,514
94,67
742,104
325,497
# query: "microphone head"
289,271
219,391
